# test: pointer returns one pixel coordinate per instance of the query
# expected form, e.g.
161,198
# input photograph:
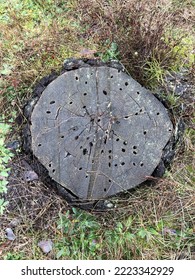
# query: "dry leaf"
87,53
9,234
46,246
30,176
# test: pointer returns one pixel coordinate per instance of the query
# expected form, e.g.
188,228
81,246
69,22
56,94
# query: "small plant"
5,156
120,241
13,256
111,53
147,233
155,72
3,205
172,99
80,235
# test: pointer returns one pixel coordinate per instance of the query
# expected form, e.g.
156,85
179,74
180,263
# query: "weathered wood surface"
98,132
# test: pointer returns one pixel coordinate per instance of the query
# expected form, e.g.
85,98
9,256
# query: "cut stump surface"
98,132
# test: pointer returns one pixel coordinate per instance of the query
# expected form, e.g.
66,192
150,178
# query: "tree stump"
98,132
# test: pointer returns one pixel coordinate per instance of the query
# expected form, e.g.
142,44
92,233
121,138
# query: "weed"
111,53
5,156
3,205
119,242
13,256
81,235
154,72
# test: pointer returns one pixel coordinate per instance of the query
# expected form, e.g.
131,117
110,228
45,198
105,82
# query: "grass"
151,39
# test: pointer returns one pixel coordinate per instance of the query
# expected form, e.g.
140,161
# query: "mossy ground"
152,39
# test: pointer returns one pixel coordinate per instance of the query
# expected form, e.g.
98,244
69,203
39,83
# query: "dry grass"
146,32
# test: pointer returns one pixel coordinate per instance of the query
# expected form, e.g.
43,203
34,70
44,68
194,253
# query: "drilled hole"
134,147
119,71
120,89
140,110
135,153
62,136
52,102
138,92
81,147
105,189
67,154
111,77
102,151
123,163
110,151
48,112
53,170
84,107
99,120
70,102
84,151
117,139
49,164
136,114
125,143
145,132
90,144
85,93
86,176
126,117
104,92
170,129
76,78
123,150
134,163
141,164
158,113
109,181
110,157
109,164
116,165
39,145
126,83
76,137
86,82
80,168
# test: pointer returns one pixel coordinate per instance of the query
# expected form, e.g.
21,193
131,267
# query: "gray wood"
98,132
